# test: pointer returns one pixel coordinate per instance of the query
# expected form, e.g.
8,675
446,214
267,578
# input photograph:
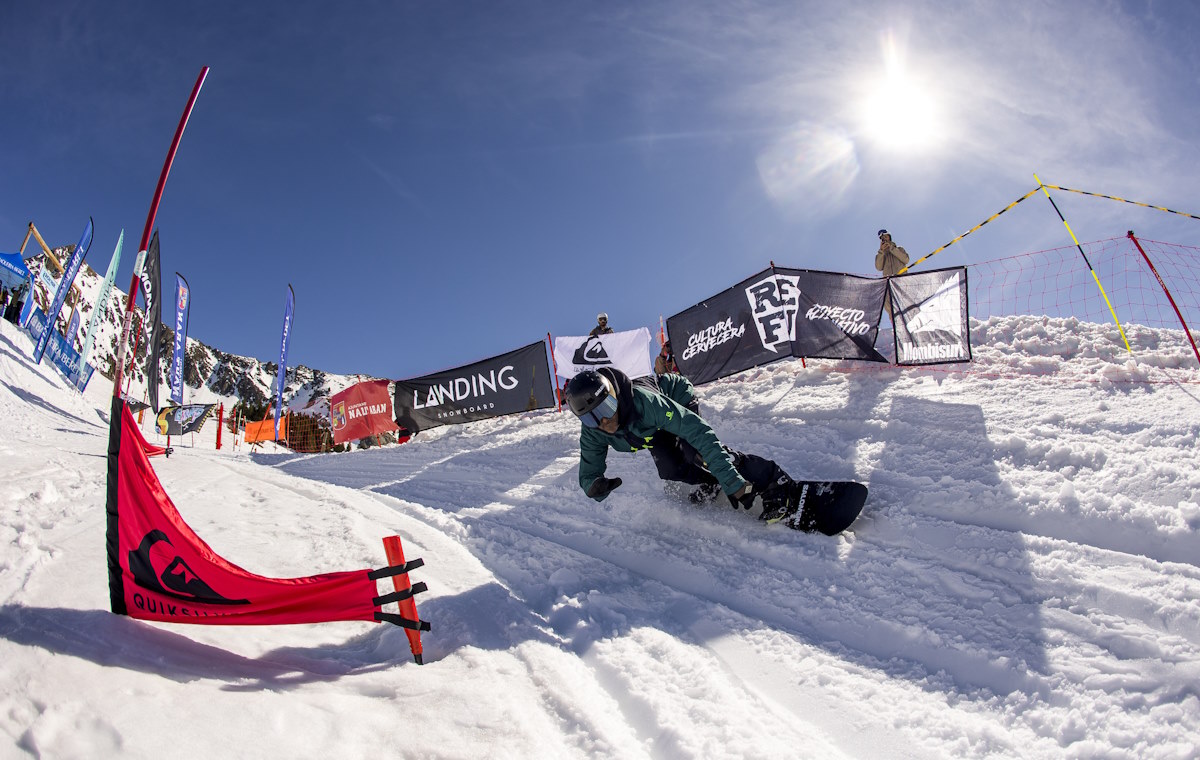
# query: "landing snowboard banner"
518,381
931,317
778,313
361,411
628,351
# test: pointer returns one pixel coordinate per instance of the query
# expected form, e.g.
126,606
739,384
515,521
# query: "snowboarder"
662,414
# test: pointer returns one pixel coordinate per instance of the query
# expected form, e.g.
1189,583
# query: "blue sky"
445,181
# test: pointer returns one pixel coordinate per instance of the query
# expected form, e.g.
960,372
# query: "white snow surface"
1024,581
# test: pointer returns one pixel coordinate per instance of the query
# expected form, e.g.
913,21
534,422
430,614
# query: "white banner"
628,351
932,326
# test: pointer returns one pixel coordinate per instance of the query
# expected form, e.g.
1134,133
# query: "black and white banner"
628,351
518,381
177,420
837,315
931,317
778,313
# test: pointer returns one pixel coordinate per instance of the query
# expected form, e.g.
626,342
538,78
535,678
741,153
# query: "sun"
901,112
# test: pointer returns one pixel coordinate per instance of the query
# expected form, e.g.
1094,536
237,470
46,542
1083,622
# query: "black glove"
602,486
743,497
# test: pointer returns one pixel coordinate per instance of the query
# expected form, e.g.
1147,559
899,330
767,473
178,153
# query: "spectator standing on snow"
601,327
889,260
665,361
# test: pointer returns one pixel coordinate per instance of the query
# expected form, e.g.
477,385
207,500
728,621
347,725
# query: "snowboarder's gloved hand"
602,486
743,497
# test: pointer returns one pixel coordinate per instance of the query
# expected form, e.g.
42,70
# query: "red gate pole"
557,391
1186,331
220,424
408,607
130,304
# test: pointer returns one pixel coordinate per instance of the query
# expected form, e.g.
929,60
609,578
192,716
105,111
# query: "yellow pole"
1085,259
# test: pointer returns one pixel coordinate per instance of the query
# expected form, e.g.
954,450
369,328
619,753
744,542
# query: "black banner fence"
778,313
518,381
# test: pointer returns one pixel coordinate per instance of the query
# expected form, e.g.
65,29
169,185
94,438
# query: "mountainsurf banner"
931,321
628,351
518,381
775,314
70,269
362,410
62,354
151,283
178,420
160,569
101,306
183,296
281,379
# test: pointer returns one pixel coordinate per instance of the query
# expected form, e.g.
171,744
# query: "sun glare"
900,113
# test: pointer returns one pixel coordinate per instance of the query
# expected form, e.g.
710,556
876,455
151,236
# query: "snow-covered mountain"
211,375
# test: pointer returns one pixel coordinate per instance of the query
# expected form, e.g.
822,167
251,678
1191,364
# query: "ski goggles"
600,412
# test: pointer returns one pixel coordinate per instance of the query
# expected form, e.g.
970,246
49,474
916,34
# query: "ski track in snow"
1023,581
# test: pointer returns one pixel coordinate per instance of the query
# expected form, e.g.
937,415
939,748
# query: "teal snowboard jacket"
642,412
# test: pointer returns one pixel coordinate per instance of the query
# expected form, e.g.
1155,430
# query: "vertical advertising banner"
281,379
932,326
628,351
101,305
518,381
64,286
151,281
183,295
62,354
361,411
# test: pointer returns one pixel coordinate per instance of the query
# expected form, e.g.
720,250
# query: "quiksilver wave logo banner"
518,381
931,317
628,351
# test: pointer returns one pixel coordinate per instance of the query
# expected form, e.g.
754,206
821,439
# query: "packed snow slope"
1023,582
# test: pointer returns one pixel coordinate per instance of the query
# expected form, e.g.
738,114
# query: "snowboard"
821,507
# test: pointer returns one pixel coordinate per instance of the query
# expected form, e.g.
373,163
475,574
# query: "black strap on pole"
397,596
388,572
403,622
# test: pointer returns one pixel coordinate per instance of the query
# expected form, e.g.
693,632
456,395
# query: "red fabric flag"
159,569
361,410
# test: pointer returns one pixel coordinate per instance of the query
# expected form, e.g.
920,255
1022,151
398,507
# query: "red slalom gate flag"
362,410
159,569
